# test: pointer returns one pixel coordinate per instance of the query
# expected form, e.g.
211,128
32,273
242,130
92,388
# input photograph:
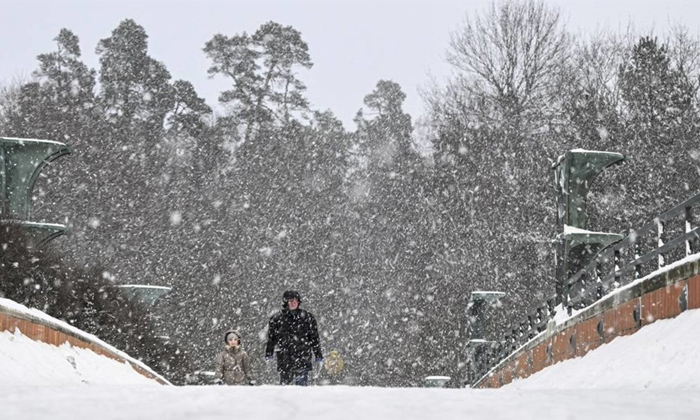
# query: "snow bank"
24,361
662,355
649,375
17,310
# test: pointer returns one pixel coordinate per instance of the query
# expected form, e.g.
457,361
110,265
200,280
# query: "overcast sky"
353,44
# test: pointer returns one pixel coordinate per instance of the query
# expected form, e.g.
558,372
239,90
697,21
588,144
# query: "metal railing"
669,238
534,323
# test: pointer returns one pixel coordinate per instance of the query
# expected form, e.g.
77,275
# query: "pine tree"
262,68
659,98
59,103
135,93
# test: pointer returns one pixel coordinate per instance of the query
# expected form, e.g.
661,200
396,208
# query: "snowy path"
652,374
316,403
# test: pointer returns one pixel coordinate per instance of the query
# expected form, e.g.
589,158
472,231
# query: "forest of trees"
231,208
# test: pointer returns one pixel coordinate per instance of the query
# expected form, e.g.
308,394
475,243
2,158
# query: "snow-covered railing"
535,322
668,238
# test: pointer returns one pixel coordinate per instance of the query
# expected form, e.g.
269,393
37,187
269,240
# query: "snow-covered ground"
25,362
12,307
341,403
663,355
649,375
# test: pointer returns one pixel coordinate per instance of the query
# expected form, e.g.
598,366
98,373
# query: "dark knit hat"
289,295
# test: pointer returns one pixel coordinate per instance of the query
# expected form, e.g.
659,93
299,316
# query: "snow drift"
662,355
24,361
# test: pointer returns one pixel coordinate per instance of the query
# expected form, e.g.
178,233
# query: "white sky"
353,44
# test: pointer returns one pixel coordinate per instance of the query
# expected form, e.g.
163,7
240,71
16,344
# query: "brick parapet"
663,296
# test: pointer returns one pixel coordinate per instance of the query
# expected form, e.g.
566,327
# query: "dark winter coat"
293,336
233,366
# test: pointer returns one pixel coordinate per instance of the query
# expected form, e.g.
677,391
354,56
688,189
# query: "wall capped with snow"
35,347
661,295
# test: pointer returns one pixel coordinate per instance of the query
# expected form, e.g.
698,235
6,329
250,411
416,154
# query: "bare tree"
587,89
510,54
684,51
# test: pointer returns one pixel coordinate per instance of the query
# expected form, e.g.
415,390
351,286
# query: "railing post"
617,267
525,332
540,317
551,308
661,261
637,267
600,291
688,227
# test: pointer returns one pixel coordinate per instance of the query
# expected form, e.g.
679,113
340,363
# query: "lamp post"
574,172
479,350
21,161
143,293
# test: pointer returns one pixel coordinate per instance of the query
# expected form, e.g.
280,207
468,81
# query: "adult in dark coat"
293,337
